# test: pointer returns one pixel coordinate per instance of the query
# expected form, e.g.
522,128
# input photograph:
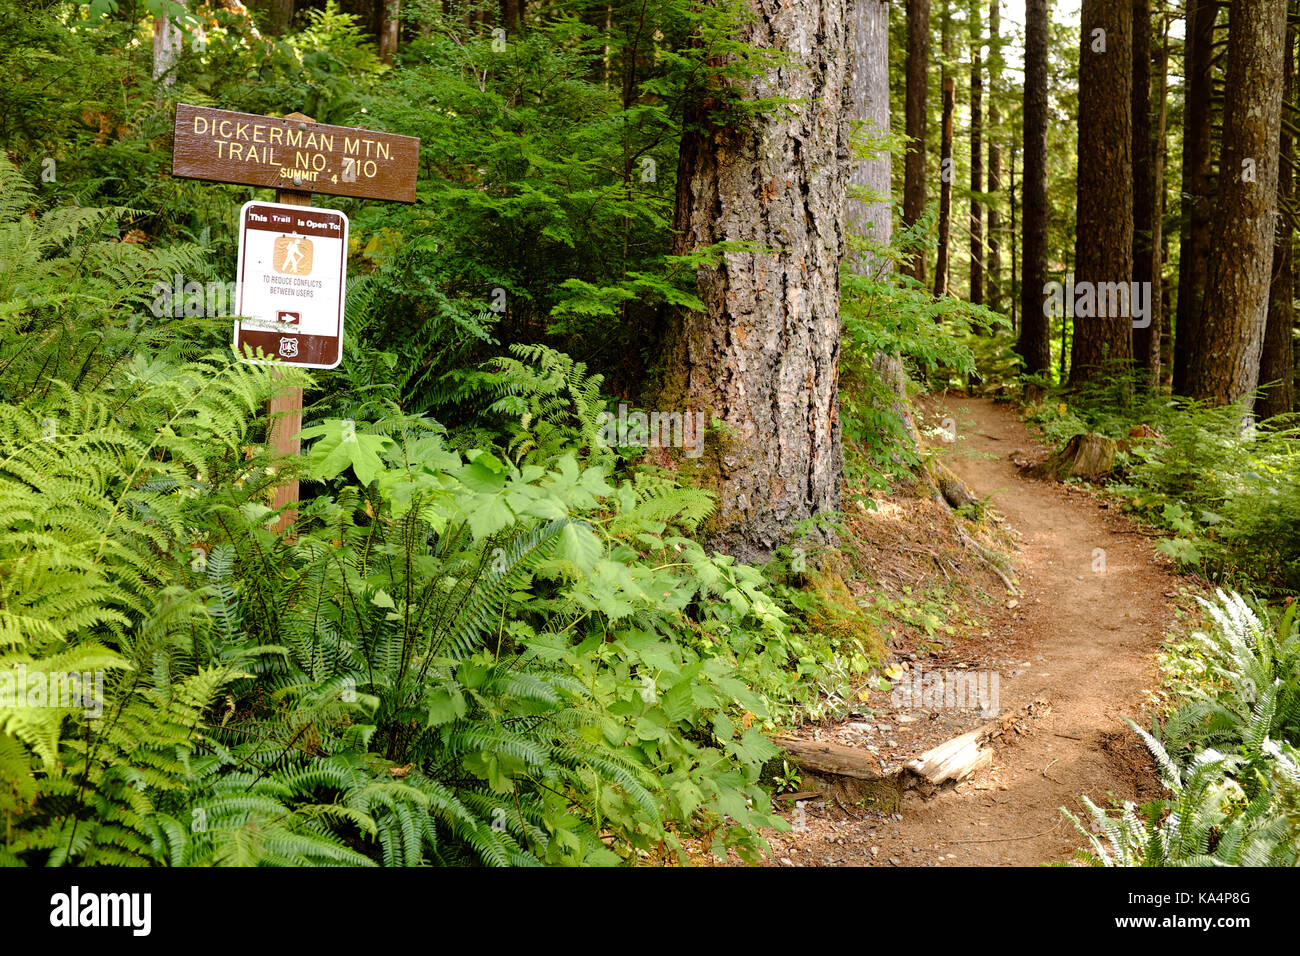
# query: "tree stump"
1087,456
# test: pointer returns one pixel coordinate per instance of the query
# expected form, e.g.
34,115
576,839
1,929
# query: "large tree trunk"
993,274
1277,363
1223,361
1194,254
917,115
1103,248
946,173
762,355
1146,248
976,158
1035,345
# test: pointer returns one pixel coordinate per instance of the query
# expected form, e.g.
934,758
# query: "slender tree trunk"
1035,345
281,16
1159,240
512,15
167,41
1277,363
1065,348
947,168
389,29
1166,318
1014,296
945,189
1194,254
917,116
870,70
869,66
1223,361
1103,247
976,158
993,276
762,355
1146,244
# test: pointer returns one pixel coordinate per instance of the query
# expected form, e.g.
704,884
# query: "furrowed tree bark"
993,269
1277,363
976,158
917,117
1146,248
1223,361
1194,252
1034,344
945,189
762,355
1103,248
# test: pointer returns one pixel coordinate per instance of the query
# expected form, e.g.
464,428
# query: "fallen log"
948,763
824,757
799,795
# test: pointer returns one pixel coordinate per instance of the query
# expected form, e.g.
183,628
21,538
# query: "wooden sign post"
284,411
297,157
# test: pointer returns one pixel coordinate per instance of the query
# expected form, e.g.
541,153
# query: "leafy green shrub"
1227,753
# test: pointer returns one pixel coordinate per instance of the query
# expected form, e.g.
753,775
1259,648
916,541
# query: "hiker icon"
293,255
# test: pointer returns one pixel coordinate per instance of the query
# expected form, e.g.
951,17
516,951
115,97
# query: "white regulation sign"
292,272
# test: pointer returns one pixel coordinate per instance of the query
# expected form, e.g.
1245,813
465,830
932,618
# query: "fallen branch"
971,544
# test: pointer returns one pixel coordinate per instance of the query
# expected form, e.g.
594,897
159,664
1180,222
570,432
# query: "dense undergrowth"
499,654
1227,747
490,638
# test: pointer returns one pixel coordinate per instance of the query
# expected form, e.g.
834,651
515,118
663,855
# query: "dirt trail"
1085,640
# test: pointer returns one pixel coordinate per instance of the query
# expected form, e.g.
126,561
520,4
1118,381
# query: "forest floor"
1082,639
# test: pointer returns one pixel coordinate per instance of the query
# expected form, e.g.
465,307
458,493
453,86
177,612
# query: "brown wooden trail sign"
297,157
293,153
